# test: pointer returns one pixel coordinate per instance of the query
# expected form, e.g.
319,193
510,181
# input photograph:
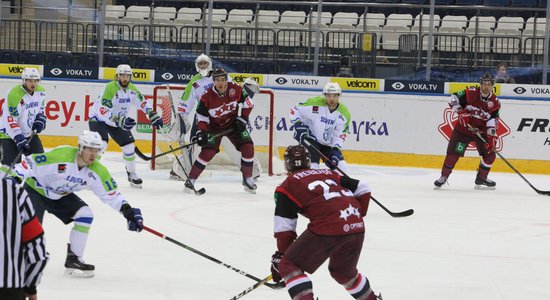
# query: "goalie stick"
148,158
201,190
476,132
400,214
250,289
162,236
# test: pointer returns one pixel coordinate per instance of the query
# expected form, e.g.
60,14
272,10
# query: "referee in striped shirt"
23,253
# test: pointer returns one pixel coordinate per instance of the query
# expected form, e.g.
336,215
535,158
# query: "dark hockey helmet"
487,77
296,158
218,72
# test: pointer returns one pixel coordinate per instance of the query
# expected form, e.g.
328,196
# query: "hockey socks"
300,287
359,288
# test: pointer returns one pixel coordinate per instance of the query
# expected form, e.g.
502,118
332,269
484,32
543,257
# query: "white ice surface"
460,244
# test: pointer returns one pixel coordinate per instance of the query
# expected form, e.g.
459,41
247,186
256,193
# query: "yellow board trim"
361,157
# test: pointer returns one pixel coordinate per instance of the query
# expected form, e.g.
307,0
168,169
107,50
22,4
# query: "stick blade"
200,192
546,193
403,214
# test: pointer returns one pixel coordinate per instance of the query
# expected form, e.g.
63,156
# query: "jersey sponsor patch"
315,109
490,105
195,84
61,168
232,92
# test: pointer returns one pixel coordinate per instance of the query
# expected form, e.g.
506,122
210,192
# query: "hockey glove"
463,117
21,143
335,158
239,124
275,260
126,123
134,218
155,119
302,132
491,140
39,123
202,138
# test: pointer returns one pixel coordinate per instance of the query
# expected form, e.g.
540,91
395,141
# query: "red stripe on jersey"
31,230
283,191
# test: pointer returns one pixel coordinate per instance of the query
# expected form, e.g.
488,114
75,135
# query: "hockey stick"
18,157
148,158
400,214
201,190
476,132
162,236
250,289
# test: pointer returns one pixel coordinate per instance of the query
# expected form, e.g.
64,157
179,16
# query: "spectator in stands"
502,74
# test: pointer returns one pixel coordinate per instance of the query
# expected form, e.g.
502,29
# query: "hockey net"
261,127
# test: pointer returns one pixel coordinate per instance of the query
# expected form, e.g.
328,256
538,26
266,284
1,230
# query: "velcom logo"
167,76
56,71
520,90
450,119
398,85
281,80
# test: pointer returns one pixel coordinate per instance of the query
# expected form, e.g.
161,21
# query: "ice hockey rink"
460,243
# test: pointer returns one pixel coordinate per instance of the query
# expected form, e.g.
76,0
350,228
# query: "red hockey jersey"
490,107
216,112
333,204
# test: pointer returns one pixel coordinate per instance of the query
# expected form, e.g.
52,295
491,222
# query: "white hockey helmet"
123,70
90,139
30,73
203,57
332,88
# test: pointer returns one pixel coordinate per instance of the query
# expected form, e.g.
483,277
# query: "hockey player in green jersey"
324,122
110,116
51,180
22,113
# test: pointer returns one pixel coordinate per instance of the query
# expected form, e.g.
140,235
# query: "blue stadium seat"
234,65
326,70
114,60
88,60
59,59
415,1
445,2
542,3
496,2
525,3
262,67
9,56
146,62
297,68
468,2
31,57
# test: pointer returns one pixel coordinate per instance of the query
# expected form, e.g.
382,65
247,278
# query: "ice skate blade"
437,187
249,190
135,185
484,187
76,273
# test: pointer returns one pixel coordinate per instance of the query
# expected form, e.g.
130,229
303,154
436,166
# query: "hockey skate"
484,184
134,180
174,176
76,267
249,185
440,182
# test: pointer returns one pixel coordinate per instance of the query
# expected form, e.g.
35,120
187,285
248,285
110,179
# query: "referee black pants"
12,294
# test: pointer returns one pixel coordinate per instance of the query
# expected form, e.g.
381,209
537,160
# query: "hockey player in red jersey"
478,111
218,112
335,206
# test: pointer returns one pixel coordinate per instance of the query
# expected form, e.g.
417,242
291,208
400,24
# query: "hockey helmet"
332,88
203,57
296,158
219,72
487,77
90,139
123,70
30,73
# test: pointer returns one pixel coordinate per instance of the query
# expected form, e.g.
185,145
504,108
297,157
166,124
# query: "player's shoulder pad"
315,101
344,111
61,154
16,94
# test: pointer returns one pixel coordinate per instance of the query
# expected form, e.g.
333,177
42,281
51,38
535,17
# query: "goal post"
261,127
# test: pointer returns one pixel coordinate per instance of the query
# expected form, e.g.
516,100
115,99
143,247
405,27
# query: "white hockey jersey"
196,87
116,102
329,128
19,110
55,174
